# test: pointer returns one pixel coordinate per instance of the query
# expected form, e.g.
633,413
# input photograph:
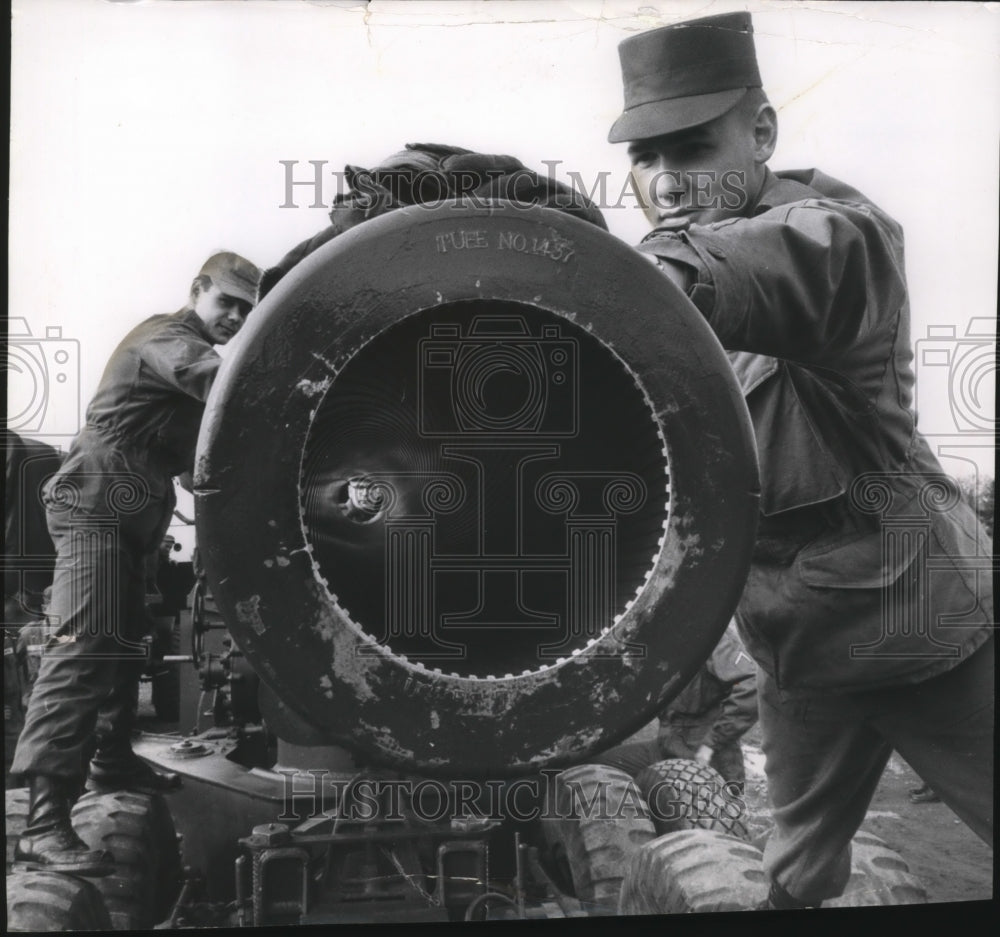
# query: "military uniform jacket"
28,549
142,424
869,570
722,695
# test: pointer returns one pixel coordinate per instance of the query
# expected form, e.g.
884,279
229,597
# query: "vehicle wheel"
600,819
693,871
137,830
169,870
16,802
166,681
49,901
685,795
879,876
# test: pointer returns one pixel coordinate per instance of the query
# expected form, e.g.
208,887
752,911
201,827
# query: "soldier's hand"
704,754
368,196
680,274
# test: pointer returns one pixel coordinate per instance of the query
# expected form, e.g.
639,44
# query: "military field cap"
685,74
233,275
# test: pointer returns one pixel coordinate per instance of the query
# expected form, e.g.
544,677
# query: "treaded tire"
49,901
169,870
879,876
685,795
16,802
595,844
138,831
693,871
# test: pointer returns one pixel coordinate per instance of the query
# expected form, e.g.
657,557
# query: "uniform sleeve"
273,275
733,666
185,362
806,281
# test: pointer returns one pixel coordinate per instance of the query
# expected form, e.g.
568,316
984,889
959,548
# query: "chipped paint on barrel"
248,612
303,333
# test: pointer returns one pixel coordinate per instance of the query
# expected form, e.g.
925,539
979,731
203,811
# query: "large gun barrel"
476,490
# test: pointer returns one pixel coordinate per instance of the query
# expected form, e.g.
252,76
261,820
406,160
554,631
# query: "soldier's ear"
199,285
765,132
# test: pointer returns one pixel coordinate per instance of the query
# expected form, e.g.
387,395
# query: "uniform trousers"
825,756
86,692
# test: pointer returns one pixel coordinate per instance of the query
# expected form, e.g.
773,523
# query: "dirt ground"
952,863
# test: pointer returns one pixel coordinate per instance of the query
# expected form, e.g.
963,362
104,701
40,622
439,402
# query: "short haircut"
750,103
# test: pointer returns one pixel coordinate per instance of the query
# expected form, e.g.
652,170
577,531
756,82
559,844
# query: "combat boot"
779,900
116,767
49,842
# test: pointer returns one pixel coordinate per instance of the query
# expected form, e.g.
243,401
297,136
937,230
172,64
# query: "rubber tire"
170,868
593,850
693,871
50,901
686,795
287,622
16,802
879,876
138,831
166,680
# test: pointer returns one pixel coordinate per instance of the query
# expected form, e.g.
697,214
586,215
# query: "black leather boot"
49,842
118,768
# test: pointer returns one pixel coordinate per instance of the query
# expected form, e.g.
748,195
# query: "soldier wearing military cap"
107,507
802,278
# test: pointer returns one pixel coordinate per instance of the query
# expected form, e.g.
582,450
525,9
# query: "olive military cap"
685,74
233,275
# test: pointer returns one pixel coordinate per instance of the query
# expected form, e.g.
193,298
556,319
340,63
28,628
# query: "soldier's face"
222,314
701,174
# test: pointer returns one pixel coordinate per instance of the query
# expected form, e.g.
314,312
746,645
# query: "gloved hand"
704,754
366,199
367,195
474,173
428,172
507,178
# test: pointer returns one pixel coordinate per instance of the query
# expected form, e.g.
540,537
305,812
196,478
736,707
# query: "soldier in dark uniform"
706,720
107,507
29,556
867,606
29,560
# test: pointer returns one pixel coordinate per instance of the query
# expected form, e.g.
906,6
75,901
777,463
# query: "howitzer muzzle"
508,498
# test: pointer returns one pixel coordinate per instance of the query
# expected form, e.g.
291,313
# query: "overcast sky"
146,135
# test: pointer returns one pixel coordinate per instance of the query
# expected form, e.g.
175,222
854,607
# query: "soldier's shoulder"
184,324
